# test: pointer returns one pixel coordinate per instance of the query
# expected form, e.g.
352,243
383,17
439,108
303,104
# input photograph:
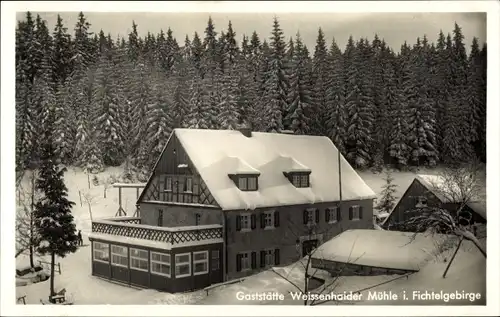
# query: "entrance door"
308,246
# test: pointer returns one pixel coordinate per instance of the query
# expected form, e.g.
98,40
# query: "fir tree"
336,115
387,201
321,81
133,44
53,219
62,57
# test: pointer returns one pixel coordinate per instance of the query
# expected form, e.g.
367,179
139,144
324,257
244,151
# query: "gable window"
139,260
421,202
119,256
188,187
101,252
247,183
159,221
215,260
160,264
300,180
355,213
182,265
200,262
168,184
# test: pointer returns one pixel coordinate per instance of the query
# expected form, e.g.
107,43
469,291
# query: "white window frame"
332,214
177,264
200,261
215,259
121,255
355,213
164,263
269,214
249,222
311,216
246,257
138,258
269,257
168,183
243,183
189,185
251,181
103,250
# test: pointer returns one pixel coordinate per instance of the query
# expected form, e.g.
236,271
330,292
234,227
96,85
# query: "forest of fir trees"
116,100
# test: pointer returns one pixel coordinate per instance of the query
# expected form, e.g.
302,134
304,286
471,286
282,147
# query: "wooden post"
453,256
59,267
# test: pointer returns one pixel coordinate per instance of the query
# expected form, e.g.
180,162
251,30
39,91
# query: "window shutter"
238,262
360,212
317,215
262,258
276,218
350,213
253,221
262,220
305,216
238,223
327,215
254,260
277,257
339,214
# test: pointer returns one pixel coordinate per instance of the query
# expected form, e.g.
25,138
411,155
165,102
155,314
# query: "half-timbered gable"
175,179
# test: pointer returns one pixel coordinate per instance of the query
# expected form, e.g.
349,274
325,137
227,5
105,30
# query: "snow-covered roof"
380,248
129,185
217,153
149,243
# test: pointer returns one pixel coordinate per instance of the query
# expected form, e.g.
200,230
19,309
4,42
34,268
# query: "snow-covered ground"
467,273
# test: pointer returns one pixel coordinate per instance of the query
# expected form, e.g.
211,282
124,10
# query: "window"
242,183
119,256
268,220
182,265
215,260
310,216
160,218
332,214
160,264
200,262
245,261
268,257
355,213
245,222
252,183
300,180
168,184
246,183
189,185
101,252
139,260
421,202
198,218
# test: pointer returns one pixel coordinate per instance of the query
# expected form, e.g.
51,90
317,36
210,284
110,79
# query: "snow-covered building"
434,191
225,204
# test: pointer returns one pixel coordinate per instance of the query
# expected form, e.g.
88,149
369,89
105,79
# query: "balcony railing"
172,235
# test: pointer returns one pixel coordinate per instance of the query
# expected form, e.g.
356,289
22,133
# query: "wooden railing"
126,219
173,235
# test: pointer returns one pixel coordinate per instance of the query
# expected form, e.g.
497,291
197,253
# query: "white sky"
395,28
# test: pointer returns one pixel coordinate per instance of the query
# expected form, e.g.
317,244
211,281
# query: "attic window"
300,180
247,183
421,202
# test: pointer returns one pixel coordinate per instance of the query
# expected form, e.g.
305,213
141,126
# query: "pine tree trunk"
52,275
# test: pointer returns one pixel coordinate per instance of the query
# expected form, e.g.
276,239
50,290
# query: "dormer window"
247,183
299,180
